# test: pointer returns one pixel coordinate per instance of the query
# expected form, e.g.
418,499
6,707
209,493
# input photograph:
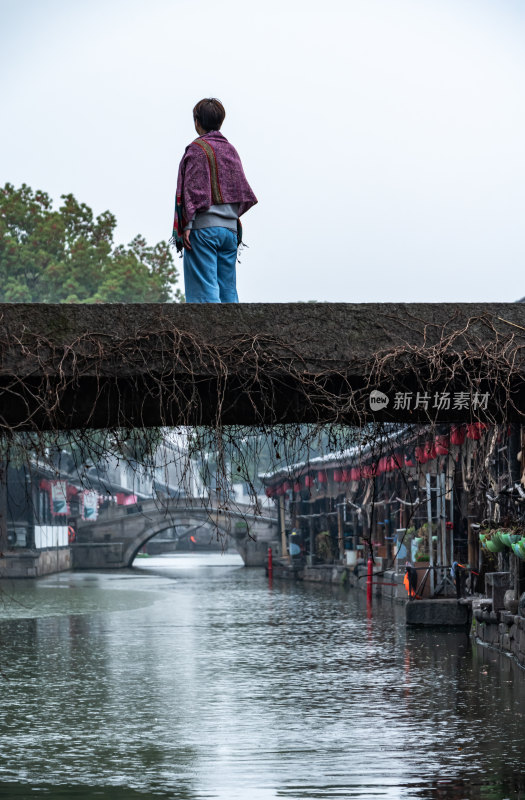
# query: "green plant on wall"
421,538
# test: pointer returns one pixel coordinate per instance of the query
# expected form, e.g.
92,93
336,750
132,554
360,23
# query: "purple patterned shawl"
210,172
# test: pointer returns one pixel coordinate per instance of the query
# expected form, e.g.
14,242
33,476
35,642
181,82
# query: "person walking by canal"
212,195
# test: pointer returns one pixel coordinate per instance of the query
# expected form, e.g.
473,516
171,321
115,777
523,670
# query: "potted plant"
491,540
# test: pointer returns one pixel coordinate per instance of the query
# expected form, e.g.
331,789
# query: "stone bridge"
100,366
113,541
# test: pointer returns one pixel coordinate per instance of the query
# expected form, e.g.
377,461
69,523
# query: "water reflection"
189,678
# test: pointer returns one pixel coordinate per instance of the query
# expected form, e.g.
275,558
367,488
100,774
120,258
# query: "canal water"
188,677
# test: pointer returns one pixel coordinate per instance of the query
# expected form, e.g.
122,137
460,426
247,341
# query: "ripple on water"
192,682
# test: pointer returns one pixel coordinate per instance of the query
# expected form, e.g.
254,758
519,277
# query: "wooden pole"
443,526
472,555
340,536
3,509
451,518
430,542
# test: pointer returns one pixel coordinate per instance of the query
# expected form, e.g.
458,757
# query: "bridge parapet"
72,366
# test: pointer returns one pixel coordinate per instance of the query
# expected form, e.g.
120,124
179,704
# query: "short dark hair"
209,113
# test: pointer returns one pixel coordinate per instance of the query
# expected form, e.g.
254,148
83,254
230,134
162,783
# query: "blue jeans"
209,267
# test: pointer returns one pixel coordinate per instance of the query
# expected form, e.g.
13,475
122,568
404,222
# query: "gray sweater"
224,215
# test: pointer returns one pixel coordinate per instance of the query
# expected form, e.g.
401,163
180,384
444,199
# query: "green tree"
68,255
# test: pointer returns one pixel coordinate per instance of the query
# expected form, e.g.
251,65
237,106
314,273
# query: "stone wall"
440,612
341,575
500,629
35,563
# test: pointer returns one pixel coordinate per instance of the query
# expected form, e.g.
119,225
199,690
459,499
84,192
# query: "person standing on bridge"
212,193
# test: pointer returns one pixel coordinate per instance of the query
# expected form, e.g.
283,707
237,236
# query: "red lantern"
321,477
286,486
442,445
297,487
409,461
355,473
392,463
382,465
338,475
430,450
457,434
421,455
347,475
308,481
269,491
475,430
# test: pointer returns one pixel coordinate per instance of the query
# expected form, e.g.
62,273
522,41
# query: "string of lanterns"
410,457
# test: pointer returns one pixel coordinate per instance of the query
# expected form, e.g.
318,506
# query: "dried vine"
202,387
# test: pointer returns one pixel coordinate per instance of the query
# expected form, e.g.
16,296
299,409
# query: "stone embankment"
385,583
423,612
501,629
34,563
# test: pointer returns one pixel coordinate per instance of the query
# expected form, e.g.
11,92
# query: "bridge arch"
112,541
153,531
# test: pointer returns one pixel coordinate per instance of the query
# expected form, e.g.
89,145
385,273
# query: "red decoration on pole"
270,564
369,576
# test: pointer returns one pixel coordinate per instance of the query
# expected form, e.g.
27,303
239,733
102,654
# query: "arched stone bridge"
113,541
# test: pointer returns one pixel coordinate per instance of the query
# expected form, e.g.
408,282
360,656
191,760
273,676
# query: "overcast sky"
384,139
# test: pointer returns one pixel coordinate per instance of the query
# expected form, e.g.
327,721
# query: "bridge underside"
76,366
